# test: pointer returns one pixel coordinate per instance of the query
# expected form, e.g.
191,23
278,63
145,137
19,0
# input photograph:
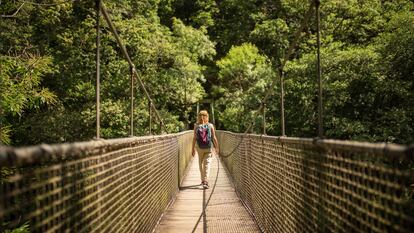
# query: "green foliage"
114,120
353,22
359,102
5,132
271,35
366,69
197,13
25,228
396,44
245,74
242,66
20,88
185,51
20,83
5,173
194,42
168,61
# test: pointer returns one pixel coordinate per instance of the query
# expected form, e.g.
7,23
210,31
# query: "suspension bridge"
259,183
268,184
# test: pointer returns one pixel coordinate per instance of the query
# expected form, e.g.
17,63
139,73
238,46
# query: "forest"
187,51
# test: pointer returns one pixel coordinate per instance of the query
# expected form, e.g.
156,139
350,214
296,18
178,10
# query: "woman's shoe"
205,185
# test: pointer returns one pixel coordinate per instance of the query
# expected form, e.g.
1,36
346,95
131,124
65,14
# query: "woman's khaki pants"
204,161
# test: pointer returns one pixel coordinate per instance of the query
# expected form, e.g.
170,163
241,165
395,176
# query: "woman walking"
204,142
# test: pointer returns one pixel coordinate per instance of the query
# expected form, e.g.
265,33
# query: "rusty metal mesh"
305,185
121,185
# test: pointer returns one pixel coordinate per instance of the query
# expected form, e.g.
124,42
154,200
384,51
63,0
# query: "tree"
168,60
185,51
20,89
360,101
244,74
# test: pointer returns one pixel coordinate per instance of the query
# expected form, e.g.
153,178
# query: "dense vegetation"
189,50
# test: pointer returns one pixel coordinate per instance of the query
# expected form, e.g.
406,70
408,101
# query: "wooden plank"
224,213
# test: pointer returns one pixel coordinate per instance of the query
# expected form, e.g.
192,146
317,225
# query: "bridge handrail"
322,185
24,156
378,148
94,186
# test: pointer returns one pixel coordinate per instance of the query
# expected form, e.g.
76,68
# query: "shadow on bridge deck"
224,213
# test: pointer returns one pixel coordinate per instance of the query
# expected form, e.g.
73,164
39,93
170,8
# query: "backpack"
203,136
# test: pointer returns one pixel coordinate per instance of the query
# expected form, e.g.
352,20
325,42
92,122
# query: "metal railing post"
98,81
282,103
150,116
212,113
264,118
320,113
132,104
198,108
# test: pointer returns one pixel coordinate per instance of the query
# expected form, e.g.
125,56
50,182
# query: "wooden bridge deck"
224,213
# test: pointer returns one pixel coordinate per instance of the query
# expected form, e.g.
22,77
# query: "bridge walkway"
225,212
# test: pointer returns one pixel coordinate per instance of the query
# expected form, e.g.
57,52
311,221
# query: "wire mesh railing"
305,185
120,185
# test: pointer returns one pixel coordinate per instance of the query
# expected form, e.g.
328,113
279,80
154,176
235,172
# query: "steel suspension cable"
131,64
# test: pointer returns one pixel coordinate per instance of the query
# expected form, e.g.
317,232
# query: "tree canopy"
186,51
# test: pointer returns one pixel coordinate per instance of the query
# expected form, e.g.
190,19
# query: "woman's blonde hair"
201,113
